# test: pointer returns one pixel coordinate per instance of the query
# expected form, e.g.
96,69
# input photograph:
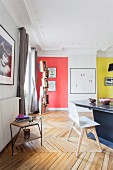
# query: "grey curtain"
34,99
23,52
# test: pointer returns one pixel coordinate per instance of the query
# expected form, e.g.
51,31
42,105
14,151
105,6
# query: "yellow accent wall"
102,64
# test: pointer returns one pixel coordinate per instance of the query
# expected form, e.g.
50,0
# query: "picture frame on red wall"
51,85
52,72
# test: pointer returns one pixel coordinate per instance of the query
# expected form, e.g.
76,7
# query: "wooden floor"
56,153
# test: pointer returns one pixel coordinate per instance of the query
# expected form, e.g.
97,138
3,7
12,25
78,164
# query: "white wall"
7,91
80,60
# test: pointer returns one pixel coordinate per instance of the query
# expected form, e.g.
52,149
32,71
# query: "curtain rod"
33,48
21,28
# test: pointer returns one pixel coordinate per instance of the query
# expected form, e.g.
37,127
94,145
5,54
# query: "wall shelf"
43,101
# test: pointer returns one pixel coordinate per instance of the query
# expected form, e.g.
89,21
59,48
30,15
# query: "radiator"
9,109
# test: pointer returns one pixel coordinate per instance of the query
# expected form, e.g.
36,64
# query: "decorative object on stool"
26,133
30,119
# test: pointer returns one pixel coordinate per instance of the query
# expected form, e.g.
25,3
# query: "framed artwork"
51,85
82,81
108,81
52,72
7,50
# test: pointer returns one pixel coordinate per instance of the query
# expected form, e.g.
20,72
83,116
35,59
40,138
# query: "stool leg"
41,131
11,138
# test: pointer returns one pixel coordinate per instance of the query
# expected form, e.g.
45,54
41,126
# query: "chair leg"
80,140
95,133
85,132
70,131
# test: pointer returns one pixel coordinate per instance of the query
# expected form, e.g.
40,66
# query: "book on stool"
21,118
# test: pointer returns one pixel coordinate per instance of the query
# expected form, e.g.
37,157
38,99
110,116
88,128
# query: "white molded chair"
84,123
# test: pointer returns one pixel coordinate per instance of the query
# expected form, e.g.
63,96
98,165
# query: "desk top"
94,106
26,123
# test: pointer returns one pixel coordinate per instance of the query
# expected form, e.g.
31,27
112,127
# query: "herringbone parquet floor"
57,153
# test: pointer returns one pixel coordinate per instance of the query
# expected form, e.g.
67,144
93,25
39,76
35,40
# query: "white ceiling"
65,24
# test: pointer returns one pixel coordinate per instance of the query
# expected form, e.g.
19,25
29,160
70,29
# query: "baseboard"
57,108
80,109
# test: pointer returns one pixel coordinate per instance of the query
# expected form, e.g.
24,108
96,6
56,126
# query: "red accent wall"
58,98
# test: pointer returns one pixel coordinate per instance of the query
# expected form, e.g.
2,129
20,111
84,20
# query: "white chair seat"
85,122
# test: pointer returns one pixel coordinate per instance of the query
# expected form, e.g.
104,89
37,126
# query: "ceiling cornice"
68,51
23,18
37,31
11,11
